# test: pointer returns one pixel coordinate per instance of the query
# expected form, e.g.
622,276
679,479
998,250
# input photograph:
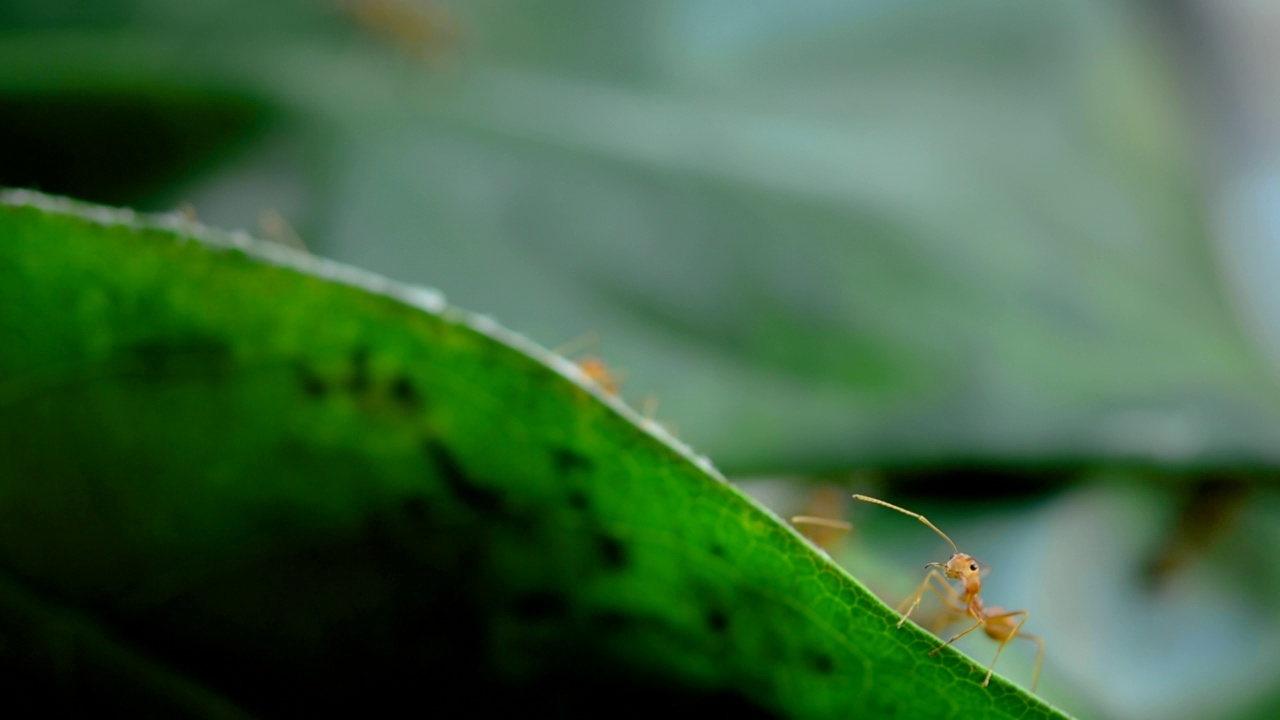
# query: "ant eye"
973,567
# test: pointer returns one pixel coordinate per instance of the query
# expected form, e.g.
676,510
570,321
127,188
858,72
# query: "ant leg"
944,620
953,602
955,596
951,599
821,522
649,407
957,636
1035,678
834,529
1025,614
914,599
578,344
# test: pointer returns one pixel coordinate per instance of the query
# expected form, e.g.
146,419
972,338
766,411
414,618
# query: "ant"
999,624
607,378
425,30
597,371
594,368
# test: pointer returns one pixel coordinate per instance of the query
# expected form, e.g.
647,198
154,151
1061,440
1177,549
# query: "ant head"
961,566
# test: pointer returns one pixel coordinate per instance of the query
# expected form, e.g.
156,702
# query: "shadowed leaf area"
238,481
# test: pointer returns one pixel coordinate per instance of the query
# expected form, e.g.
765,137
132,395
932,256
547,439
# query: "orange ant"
609,380
424,30
596,370
996,622
599,373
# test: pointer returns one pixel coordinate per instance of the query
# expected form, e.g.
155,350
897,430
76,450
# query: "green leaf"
238,480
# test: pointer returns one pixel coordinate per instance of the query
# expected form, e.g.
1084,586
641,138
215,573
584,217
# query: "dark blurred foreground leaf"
231,488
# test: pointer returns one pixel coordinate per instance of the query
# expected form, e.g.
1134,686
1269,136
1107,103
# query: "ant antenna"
917,516
578,344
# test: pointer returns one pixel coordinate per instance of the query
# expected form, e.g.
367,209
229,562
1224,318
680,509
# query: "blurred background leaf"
975,250
861,232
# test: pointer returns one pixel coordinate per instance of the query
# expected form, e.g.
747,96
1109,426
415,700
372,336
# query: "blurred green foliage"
855,233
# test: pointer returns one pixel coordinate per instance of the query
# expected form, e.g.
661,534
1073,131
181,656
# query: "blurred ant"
424,30
594,368
610,380
999,624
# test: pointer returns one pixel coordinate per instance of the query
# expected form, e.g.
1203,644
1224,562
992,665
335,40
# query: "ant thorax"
976,606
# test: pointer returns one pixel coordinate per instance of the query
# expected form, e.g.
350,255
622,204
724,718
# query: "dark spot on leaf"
379,535
717,550
358,381
310,383
405,393
415,508
568,462
542,606
731,704
181,358
612,551
458,482
821,663
577,500
717,621
610,620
